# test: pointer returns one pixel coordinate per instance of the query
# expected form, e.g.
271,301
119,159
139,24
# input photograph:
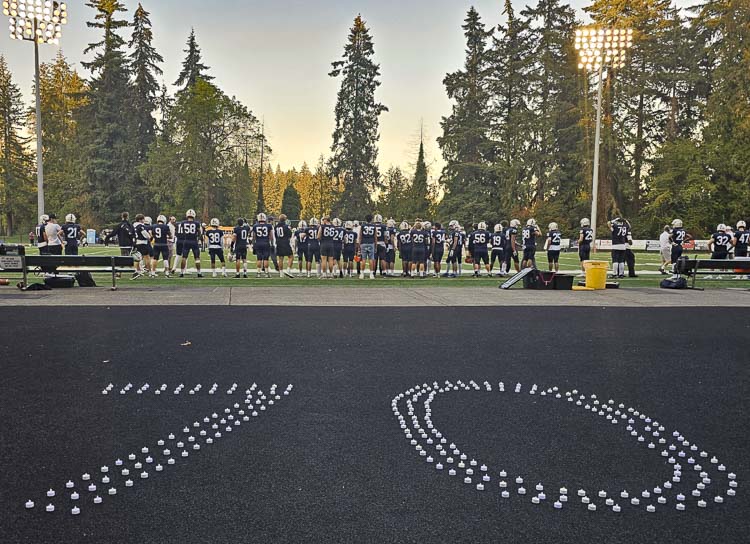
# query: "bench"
715,267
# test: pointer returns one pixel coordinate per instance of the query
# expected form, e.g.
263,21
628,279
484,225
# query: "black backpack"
85,279
674,283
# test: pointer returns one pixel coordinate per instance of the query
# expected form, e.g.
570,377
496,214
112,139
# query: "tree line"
518,140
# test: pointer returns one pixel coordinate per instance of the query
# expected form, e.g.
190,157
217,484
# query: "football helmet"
215,222
482,225
43,218
349,225
453,224
378,218
314,222
148,220
585,222
70,218
677,223
137,256
161,219
404,225
515,223
531,222
356,223
302,225
426,225
262,217
553,226
391,223
721,228
741,225
336,222
190,213
498,227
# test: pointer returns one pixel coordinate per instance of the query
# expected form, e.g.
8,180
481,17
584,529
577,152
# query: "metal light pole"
596,47
38,21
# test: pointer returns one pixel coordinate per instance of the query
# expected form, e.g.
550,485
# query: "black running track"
329,462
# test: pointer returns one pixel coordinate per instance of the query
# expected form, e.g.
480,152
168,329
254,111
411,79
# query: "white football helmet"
677,223
161,219
741,225
336,222
391,223
349,225
70,218
453,224
426,225
43,218
262,217
190,213
515,223
404,225
553,226
148,220
721,228
482,226
356,223
585,222
531,222
498,227
215,222
378,218
314,222
302,225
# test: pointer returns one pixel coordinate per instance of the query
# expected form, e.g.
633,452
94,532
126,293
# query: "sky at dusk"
275,55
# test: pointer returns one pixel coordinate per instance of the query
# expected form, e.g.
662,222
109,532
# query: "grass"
647,267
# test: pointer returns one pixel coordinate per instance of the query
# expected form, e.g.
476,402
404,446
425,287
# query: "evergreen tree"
192,67
104,129
144,65
470,190
395,198
17,188
419,193
355,139
291,205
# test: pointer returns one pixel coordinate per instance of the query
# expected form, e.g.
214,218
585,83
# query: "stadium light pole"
599,46
38,21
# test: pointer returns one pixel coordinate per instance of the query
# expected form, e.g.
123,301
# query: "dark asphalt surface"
329,463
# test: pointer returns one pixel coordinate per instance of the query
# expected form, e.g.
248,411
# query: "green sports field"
647,266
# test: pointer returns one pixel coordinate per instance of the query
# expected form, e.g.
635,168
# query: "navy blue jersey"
742,238
191,230
722,241
161,233
327,233
619,234
338,236
39,230
262,233
457,240
529,237
497,240
678,236
243,235
312,236
420,238
439,237
180,232
588,236
390,234
350,239
215,238
555,239
404,239
368,233
141,234
508,234
380,232
72,232
283,234
479,239
301,237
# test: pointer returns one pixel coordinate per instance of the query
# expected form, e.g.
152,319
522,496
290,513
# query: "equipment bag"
85,279
60,282
674,283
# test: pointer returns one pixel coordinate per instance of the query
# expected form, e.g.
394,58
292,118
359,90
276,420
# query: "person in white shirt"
54,236
665,248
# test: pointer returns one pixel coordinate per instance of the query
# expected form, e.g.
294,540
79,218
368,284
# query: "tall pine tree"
104,130
419,192
192,67
355,139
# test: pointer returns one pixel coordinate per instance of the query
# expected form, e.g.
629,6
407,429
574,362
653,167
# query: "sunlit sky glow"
275,55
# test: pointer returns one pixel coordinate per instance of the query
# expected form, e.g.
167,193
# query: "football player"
41,240
420,240
172,244
283,236
240,239
741,240
53,235
263,239
214,239
326,235
511,246
272,253
380,244
313,247
390,247
585,239
437,248
338,246
479,240
72,234
530,232
162,234
455,250
677,237
429,228
620,240
350,247
142,245
367,241
497,241
403,239
720,243
191,230
553,245
300,243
